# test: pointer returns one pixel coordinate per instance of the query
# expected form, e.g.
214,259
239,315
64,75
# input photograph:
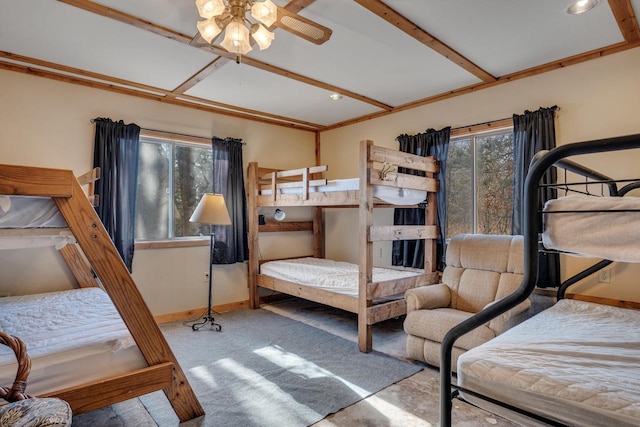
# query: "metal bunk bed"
532,227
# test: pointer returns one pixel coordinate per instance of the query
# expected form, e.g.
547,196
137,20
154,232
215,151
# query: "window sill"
162,244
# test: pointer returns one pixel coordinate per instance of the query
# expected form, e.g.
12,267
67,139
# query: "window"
480,183
172,177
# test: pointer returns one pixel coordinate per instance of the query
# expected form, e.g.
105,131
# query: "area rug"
264,369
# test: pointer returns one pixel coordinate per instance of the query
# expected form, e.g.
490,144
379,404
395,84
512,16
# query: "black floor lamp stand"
209,318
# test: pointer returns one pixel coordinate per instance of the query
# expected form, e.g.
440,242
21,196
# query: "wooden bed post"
430,218
318,233
254,244
365,258
99,250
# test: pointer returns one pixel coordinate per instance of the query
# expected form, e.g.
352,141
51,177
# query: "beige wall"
598,99
47,123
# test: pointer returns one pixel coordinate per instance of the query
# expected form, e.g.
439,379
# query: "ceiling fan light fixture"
209,29
236,37
581,6
210,8
265,12
262,36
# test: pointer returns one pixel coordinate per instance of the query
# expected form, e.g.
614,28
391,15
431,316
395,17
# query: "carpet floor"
412,401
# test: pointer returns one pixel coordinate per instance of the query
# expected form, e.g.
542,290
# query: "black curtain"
534,131
231,244
410,253
115,152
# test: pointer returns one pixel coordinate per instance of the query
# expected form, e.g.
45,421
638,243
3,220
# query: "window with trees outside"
172,177
480,183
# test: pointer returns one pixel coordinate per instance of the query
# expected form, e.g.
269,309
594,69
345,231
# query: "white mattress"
29,212
72,337
21,215
607,234
392,195
576,362
336,276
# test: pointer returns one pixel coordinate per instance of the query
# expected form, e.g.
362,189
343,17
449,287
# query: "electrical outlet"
604,276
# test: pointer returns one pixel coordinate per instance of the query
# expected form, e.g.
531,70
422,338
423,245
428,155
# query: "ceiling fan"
231,16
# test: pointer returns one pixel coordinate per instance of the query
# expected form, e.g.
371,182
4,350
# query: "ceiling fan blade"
302,27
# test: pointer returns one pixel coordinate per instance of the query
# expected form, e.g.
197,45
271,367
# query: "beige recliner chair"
480,269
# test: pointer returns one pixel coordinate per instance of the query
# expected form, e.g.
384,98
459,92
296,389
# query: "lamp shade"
211,210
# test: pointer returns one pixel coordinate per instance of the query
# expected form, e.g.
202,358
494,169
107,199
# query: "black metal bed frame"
532,219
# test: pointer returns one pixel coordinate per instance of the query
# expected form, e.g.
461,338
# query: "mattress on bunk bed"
72,337
29,212
18,213
391,195
611,232
335,276
576,362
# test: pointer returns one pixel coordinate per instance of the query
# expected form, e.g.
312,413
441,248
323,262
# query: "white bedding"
21,215
576,362
29,212
72,337
336,276
392,195
607,235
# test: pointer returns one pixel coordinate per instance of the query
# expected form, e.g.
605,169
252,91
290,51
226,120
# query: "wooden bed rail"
33,181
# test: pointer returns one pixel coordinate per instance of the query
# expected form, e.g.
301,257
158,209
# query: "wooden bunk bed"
94,261
372,301
575,363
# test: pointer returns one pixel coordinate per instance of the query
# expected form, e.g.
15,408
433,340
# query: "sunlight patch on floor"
253,396
296,364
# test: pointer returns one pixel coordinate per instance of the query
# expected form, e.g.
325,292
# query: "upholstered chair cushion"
480,269
36,412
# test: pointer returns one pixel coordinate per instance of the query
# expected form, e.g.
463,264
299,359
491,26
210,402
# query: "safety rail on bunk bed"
102,260
532,221
307,181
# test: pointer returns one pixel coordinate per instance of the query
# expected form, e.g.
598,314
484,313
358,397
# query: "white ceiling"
143,46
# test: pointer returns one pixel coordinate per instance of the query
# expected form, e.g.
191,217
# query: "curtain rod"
174,133
182,134
555,108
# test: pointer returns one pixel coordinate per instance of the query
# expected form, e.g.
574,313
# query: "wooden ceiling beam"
627,22
192,102
193,41
83,73
401,22
551,66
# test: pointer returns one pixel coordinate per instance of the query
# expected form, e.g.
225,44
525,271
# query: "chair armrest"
510,318
428,297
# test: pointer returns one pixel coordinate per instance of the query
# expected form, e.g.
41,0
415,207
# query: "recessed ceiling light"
335,96
581,6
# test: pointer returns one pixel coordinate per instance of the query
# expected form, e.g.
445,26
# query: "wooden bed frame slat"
399,286
384,311
380,233
368,310
91,396
404,160
78,265
32,181
322,296
401,180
